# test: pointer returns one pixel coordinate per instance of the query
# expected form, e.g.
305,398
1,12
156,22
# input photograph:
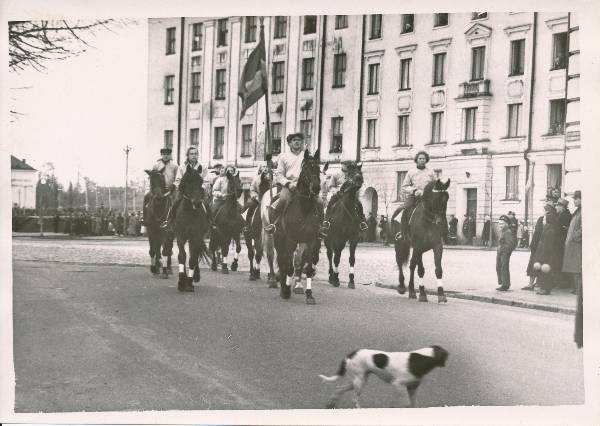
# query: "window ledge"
195,101
520,74
373,94
335,151
553,135
472,141
245,155
406,89
168,103
436,27
510,201
407,147
339,86
558,68
438,85
513,138
371,148
444,143
375,38
277,93
219,99
218,158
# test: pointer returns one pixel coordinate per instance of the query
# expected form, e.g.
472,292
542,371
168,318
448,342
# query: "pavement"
467,276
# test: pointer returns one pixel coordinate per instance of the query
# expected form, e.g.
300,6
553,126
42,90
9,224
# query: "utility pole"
127,149
109,202
87,181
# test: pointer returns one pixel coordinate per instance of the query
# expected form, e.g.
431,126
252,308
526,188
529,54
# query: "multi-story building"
24,179
483,93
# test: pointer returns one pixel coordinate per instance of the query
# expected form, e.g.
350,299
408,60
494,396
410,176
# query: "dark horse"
299,227
191,225
228,224
344,225
424,233
257,240
156,205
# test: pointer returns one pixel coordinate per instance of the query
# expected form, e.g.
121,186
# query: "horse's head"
354,175
191,186
235,183
309,180
157,182
435,198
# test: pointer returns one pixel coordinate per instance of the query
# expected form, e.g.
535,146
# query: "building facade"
23,183
483,93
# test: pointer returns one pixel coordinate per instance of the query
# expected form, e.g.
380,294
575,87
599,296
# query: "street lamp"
42,184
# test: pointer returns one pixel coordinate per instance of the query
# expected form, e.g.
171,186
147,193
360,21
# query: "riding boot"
325,225
273,216
169,222
403,226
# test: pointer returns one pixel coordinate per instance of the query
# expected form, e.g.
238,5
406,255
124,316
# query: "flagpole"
268,147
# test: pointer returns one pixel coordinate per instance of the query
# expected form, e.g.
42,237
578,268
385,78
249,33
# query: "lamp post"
127,149
42,184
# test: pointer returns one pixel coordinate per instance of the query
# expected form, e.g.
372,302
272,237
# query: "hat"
294,135
504,218
166,150
549,207
563,202
510,213
216,166
422,153
577,194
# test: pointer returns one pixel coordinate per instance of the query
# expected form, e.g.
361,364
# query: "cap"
294,135
504,218
563,202
577,194
216,166
166,150
549,207
510,213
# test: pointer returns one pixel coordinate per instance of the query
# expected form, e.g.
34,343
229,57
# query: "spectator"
132,224
452,229
563,280
535,240
110,228
485,234
138,227
514,223
119,226
524,242
547,255
467,229
572,263
56,222
506,245
98,225
383,225
372,222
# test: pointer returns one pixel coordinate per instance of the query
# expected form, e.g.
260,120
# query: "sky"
82,112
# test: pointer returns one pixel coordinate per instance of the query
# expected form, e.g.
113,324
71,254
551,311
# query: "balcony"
474,89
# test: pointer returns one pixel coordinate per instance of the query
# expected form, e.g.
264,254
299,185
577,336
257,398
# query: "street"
98,333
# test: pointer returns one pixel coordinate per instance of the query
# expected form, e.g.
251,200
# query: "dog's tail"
341,371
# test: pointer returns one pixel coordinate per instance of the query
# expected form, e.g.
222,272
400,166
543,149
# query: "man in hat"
572,263
289,166
506,244
414,183
336,186
564,219
212,177
168,168
255,194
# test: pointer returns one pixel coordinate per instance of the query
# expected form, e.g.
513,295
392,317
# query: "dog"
400,369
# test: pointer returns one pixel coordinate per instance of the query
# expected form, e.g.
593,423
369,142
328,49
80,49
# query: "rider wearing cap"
254,200
336,186
168,168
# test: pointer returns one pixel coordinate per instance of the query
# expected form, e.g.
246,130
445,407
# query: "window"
308,73
276,137
371,133
403,130
405,73
477,61
436,126
439,60
339,70
280,27
194,137
373,79
400,176
196,37
470,115
196,61
169,89
310,24
195,94
306,130
341,21
559,51
437,173
169,139
440,20
408,23
514,120
222,32
170,41
246,140
557,117
219,142
337,134
554,177
250,35
278,77
375,27
512,182
221,85
517,57
478,15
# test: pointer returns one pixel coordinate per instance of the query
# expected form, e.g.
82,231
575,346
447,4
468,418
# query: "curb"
495,300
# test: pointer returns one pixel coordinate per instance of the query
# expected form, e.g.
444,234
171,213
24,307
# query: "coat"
507,241
535,240
572,253
549,247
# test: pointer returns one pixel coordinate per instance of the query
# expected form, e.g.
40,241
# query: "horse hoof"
213,267
257,275
412,294
252,277
272,284
169,270
189,288
224,269
422,297
164,275
181,285
285,292
152,269
309,298
298,290
234,265
197,275
401,289
351,285
442,297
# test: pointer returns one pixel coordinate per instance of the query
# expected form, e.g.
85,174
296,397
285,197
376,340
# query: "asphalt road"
112,337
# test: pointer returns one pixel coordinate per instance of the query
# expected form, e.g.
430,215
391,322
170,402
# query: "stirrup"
363,226
270,228
165,224
398,236
326,225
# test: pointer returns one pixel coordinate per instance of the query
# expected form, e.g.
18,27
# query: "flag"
253,83
529,182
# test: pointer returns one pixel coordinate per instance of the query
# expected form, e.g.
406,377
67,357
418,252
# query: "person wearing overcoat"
572,264
548,252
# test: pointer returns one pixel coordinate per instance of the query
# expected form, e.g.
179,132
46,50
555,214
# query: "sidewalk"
60,236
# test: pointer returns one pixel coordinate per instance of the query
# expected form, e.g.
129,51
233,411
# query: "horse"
191,226
228,225
344,225
156,205
424,233
299,228
258,241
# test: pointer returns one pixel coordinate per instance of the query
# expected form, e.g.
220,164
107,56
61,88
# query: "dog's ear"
440,355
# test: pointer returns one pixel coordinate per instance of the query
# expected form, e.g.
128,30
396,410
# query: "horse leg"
437,258
310,273
182,283
421,272
224,253
213,251
286,269
258,253
330,261
238,249
411,282
169,253
400,249
352,260
251,254
151,253
337,254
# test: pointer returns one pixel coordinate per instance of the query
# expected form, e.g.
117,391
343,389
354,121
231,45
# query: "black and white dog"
401,369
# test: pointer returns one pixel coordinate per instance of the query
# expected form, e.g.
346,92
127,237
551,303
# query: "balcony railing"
556,129
473,89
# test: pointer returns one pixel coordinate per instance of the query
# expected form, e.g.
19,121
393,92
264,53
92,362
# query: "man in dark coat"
572,263
372,222
485,234
564,219
506,245
548,252
535,240
467,229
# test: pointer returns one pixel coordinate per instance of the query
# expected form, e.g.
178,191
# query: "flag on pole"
529,182
253,83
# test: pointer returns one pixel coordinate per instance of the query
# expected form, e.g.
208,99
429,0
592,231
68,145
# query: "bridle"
306,177
431,216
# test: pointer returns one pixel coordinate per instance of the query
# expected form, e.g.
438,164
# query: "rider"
169,170
414,183
289,166
221,189
337,185
254,200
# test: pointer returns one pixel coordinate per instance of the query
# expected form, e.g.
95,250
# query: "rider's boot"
273,216
403,226
324,230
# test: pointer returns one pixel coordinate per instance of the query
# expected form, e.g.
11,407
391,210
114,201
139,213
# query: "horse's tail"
402,252
203,252
268,243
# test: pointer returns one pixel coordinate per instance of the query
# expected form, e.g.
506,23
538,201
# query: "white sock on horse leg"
335,269
235,256
420,281
190,272
352,269
308,283
224,260
288,281
181,268
440,283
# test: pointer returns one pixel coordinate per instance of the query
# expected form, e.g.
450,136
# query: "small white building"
23,181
